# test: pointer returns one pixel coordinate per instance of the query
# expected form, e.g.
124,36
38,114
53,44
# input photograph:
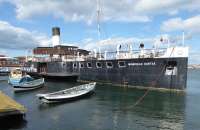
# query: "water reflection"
13,123
42,105
159,110
110,108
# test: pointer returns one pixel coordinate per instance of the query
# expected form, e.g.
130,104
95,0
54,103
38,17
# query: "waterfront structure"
8,61
7,64
10,108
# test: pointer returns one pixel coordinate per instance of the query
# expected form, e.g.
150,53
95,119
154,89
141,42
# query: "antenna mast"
98,19
98,25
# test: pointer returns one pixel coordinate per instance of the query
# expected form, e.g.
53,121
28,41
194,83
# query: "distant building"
8,61
21,59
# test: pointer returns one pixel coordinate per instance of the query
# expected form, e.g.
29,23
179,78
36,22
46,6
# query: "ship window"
81,65
109,64
121,64
172,63
89,65
99,65
74,65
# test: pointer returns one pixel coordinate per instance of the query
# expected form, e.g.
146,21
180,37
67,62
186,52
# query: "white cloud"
76,11
171,7
172,25
110,44
85,10
3,52
190,25
152,6
73,10
12,37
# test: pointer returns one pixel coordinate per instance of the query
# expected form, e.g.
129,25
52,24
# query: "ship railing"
142,53
46,59
26,69
29,69
109,55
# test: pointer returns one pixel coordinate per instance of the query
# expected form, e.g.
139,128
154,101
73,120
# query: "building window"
99,65
89,65
121,64
74,65
109,65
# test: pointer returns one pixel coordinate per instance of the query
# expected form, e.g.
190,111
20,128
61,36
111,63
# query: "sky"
26,24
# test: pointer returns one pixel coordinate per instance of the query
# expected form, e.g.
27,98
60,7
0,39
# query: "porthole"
121,64
81,65
109,65
89,65
74,65
99,65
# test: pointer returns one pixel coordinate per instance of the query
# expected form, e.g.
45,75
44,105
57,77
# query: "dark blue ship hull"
169,73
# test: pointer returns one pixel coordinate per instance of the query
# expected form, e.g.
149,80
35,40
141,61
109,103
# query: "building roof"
59,50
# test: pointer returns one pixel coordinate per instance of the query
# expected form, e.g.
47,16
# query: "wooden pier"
9,107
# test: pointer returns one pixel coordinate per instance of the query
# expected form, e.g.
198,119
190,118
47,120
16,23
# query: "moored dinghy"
68,94
28,83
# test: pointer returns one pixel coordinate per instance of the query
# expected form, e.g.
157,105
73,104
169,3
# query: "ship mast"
98,19
98,26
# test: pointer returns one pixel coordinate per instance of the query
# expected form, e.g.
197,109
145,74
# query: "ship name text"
141,63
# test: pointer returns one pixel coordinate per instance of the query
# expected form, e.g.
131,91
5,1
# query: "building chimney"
55,36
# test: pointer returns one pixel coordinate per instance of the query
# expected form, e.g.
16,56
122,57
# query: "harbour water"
110,108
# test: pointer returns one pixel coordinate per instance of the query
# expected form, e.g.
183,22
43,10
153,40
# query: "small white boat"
68,94
28,83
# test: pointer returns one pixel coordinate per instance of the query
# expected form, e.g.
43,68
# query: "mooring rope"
147,91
